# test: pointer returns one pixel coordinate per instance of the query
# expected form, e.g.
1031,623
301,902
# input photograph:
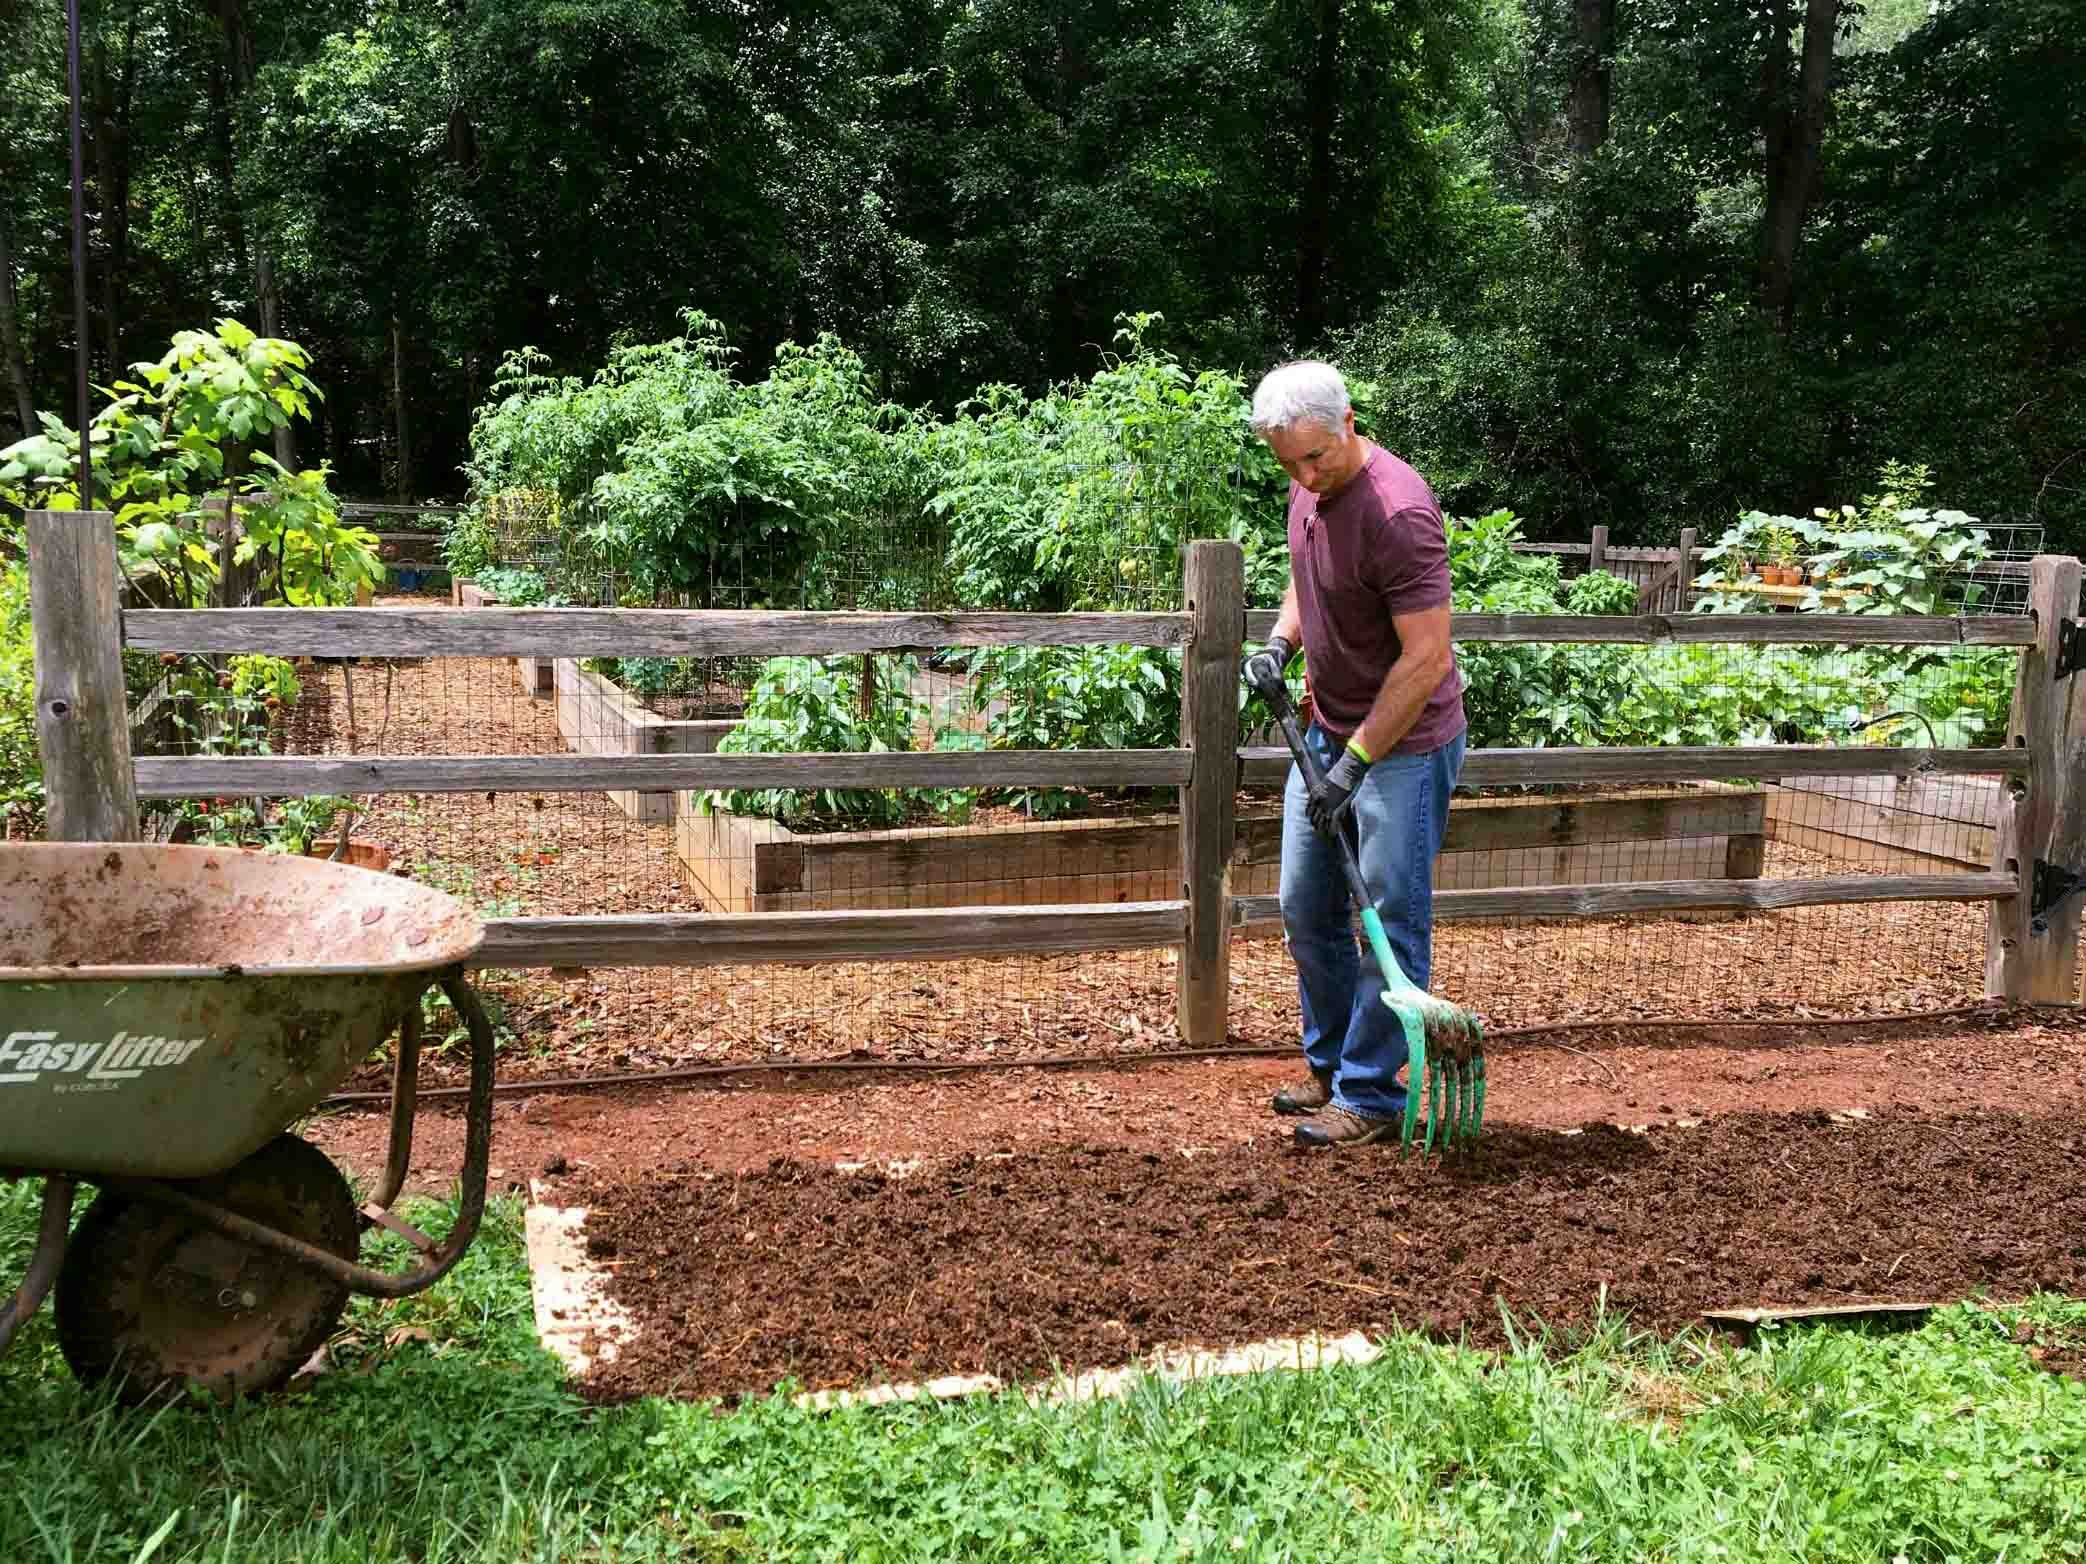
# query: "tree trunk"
1586,110
1315,212
1794,132
269,300
112,99
228,190
11,331
403,474
239,45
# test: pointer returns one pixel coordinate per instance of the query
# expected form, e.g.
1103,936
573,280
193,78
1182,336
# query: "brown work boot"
1306,1097
1342,1127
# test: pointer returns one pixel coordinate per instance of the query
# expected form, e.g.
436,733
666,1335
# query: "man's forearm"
1398,704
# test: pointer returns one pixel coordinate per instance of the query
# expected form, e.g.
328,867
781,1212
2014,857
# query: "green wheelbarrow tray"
167,1013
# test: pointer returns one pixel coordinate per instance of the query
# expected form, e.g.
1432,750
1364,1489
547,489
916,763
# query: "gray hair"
1303,391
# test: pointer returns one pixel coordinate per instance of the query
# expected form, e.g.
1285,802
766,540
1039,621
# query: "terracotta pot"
363,855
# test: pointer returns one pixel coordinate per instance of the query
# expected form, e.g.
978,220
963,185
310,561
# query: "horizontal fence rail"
619,632
734,939
2032,948
241,776
1708,629
1621,763
1650,896
696,632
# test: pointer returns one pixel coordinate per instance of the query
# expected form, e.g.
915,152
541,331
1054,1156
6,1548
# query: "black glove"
1332,798
1264,669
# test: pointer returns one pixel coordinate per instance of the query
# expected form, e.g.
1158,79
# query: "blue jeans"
1400,815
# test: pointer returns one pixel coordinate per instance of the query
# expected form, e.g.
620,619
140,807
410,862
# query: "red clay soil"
2033,1062
1018,1263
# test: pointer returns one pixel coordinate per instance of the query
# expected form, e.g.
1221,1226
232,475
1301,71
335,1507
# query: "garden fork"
1433,1027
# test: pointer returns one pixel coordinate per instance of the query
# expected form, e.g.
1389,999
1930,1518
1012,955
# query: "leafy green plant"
1906,559
1087,697
1965,693
470,546
654,675
21,765
684,477
805,705
1083,496
183,432
1889,555
515,586
1598,592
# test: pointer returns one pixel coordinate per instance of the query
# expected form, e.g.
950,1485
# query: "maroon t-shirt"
1373,548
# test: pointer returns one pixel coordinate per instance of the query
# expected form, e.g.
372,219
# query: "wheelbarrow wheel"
152,1301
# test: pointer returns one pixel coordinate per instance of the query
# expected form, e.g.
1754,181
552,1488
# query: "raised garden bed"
533,673
1921,822
598,717
743,864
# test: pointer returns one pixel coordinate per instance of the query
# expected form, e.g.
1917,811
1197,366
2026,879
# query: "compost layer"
1088,1256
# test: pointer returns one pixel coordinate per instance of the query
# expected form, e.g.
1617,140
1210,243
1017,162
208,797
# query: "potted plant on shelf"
1779,547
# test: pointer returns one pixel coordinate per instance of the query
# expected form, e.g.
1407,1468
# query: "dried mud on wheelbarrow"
1089,1257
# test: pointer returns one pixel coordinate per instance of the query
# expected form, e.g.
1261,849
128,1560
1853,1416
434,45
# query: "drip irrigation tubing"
1990,1010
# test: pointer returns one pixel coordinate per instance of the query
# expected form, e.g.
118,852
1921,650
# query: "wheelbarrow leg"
43,1264
437,1258
405,1096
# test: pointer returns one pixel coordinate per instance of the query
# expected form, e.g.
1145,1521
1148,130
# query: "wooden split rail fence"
93,784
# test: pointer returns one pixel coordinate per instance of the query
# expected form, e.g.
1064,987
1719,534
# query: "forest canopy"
1634,262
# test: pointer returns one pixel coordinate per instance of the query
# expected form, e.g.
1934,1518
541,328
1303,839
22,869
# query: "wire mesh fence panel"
1067,532
1894,704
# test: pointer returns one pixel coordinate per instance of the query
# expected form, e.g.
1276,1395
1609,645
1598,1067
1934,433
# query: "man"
1368,601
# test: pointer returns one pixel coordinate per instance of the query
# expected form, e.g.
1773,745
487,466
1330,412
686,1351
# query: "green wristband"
1354,748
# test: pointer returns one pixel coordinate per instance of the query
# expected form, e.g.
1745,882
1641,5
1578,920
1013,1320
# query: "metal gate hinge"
2052,885
2071,648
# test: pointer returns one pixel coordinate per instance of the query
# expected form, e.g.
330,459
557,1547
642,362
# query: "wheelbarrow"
167,1014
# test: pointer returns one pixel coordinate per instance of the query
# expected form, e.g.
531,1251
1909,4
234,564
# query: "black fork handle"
1314,776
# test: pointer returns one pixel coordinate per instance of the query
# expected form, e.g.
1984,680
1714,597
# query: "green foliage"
688,481
447,1433
1081,498
1966,695
1087,697
805,705
180,434
470,546
514,586
1890,556
21,766
1533,695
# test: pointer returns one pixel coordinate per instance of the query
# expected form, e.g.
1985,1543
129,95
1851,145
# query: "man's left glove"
1264,669
1331,799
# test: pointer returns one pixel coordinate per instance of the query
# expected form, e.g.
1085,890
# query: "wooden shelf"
1792,597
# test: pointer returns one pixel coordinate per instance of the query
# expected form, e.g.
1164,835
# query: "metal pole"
79,249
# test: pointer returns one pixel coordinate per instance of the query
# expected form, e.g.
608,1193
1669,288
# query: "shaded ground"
1085,1256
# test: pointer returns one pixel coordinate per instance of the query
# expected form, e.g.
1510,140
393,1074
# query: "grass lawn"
447,1434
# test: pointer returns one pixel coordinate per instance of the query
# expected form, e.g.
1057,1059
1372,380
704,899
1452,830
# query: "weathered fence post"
82,722
1684,571
2041,835
1597,550
1216,603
